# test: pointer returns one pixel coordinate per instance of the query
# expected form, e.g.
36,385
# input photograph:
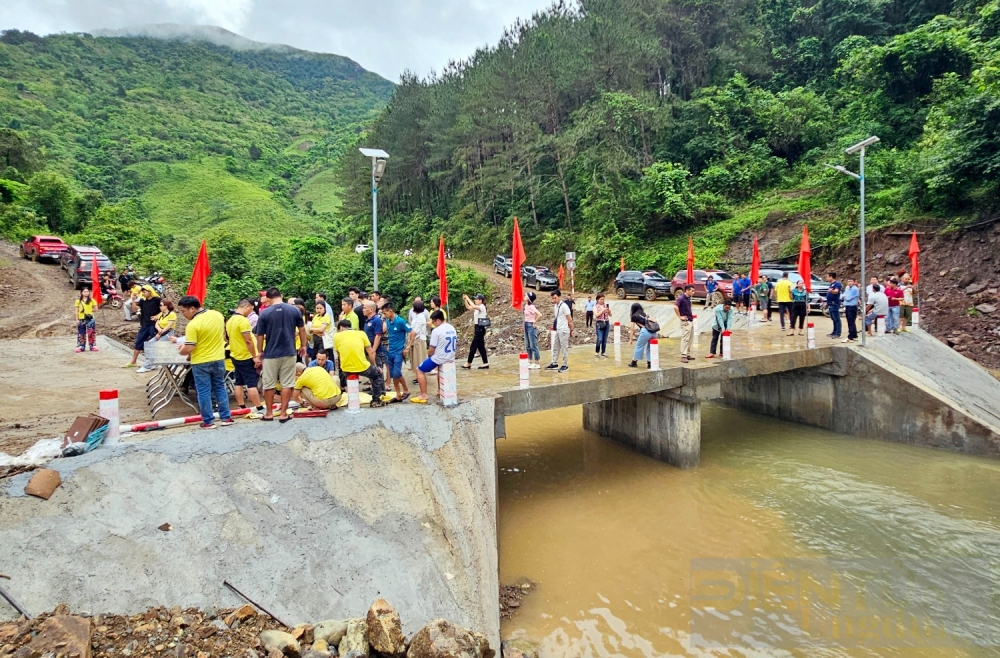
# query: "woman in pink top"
530,333
602,322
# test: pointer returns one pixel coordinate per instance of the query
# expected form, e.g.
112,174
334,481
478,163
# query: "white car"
361,248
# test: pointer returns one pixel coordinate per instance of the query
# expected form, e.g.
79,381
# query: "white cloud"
230,14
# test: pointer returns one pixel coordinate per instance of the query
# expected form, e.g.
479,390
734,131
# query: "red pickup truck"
43,246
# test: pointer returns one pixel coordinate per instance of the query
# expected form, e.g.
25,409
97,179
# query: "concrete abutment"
657,425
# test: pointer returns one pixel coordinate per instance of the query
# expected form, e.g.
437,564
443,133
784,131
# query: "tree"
51,195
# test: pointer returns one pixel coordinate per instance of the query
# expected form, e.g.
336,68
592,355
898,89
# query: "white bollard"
108,408
353,395
727,350
811,336
915,320
654,354
447,384
618,341
880,325
694,340
523,370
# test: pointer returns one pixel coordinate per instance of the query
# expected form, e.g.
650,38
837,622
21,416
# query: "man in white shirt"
443,346
563,328
418,319
878,305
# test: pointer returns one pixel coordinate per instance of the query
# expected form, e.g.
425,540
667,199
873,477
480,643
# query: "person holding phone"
480,323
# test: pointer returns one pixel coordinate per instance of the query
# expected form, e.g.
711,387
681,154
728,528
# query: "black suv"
78,262
503,265
648,285
539,277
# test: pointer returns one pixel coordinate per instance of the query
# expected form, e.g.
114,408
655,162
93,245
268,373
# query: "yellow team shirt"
350,345
236,326
319,381
85,308
165,320
206,331
324,322
353,317
783,290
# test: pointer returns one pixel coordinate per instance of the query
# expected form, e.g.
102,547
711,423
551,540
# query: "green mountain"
615,128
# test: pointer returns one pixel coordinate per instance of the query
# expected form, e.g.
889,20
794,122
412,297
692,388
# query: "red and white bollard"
915,319
694,340
727,345
618,341
811,336
353,395
753,315
880,325
447,384
108,408
522,371
654,354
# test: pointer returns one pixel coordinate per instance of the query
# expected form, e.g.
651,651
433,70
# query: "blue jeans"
642,345
531,341
603,329
892,320
209,380
835,316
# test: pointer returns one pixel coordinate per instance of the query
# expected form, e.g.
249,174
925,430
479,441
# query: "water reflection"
609,535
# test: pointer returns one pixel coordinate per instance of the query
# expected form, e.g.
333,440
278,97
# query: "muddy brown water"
609,536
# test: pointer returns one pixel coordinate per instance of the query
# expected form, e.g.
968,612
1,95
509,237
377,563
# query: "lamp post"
860,177
379,161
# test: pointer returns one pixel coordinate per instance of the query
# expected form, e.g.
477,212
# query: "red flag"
442,273
623,263
805,253
690,269
199,277
517,258
914,250
562,275
755,263
95,283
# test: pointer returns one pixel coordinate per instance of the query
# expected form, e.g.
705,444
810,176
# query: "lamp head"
380,164
860,145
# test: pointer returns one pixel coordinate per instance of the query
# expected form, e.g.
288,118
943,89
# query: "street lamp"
379,161
860,177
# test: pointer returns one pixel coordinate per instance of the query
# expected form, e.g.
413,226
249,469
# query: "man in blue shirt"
723,321
399,334
747,285
322,361
851,298
590,311
738,291
374,328
710,287
833,303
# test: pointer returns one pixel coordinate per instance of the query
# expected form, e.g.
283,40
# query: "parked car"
539,277
503,265
361,248
817,298
78,262
43,246
648,285
724,279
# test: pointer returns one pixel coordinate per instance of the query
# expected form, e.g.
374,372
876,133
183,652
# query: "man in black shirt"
148,308
277,326
682,306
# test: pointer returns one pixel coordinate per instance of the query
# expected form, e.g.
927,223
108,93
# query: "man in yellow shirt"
358,358
315,386
242,350
783,293
205,344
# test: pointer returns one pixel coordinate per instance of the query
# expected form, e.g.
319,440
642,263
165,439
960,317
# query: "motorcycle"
156,281
112,298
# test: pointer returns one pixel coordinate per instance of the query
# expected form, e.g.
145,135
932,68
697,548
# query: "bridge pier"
662,426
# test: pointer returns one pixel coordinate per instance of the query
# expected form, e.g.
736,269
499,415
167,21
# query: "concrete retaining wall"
315,519
878,397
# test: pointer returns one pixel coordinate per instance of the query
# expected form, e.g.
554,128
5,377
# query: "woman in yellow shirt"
166,321
321,329
86,331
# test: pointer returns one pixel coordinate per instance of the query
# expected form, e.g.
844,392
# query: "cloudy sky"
387,37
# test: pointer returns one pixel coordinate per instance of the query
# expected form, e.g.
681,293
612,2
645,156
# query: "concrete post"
661,427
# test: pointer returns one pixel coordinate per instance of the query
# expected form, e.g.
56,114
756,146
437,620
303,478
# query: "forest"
615,128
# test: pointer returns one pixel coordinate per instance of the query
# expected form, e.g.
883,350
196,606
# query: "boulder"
64,635
330,631
240,615
442,639
354,644
518,648
280,641
385,630
986,308
975,288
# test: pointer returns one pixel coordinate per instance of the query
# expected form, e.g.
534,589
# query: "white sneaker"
533,366
144,369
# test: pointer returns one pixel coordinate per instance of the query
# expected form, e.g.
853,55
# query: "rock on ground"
442,639
280,641
385,631
63,635
330,631
518,648
354,644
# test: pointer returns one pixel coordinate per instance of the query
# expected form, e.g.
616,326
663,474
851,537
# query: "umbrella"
805,253
517,258
199,277
442,273
95,283
755,262
914,264
690,263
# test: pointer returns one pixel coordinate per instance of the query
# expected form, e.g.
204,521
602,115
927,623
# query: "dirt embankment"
959,290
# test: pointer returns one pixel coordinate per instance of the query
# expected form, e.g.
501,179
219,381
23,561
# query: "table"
166,384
